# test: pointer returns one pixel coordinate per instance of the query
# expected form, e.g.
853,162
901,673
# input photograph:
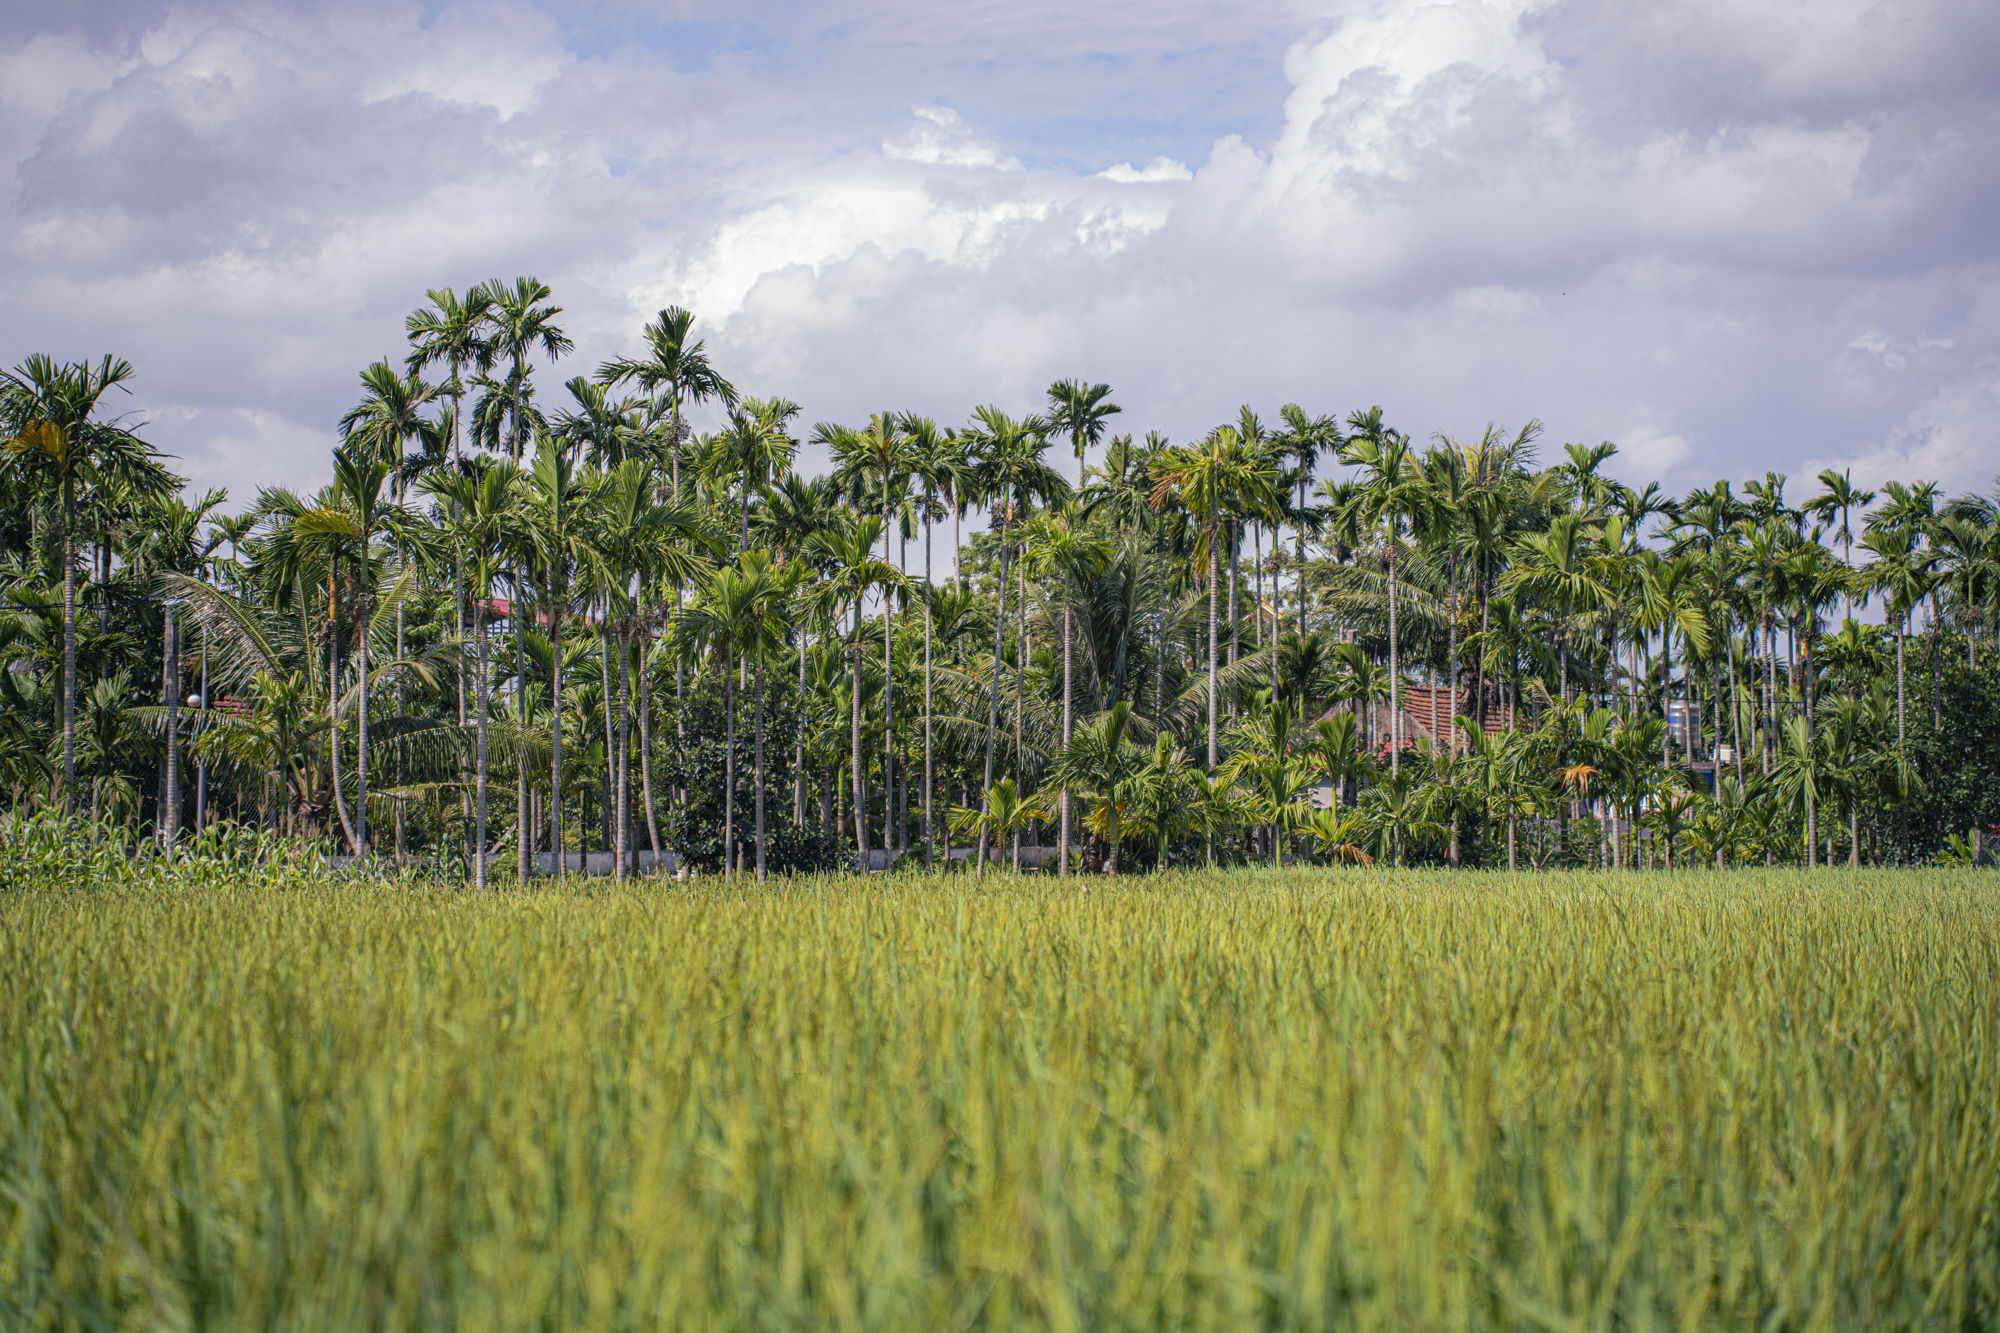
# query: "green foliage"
694,829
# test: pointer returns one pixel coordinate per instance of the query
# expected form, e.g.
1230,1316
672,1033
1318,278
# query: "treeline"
521,619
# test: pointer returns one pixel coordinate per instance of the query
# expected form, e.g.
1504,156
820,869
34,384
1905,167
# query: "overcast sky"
1728,235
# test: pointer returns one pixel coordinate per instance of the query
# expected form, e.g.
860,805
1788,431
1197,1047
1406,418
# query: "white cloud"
941,137
1159,169
1729,235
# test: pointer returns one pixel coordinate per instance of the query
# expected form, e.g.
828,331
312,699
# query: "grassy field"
1301,1100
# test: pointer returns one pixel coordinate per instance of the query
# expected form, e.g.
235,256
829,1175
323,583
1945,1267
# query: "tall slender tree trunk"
1214,588
1062,835
930,791
646,727
170,817
624,754
890,841
332,702
480,759
1235,611
555,731
1395,670
524,831
1300,579
1022,651
860,796
728,768
69,648
758,675
362,615
993,684
799,746
1451,651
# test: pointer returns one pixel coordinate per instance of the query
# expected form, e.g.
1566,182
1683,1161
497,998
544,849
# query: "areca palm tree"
522,322
54,433
1901,572
1008,470
1390,494
343,525
754,449
554,502
795,509
677,373
1207,479
1056,546
874,465
935,465
1080,411
735,619
482,508
850,571
642,539
453,332
1105,766
1303,440
1842,496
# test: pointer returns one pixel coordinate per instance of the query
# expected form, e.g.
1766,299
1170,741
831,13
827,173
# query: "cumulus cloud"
1729,236
940,137
1159,169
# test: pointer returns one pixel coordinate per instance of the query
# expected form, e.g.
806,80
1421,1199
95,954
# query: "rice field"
1312,1100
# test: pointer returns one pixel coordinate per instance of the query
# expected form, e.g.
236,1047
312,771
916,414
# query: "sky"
1729,236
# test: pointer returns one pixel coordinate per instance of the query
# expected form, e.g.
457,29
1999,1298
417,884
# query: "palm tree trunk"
399,746
1235,611
993,684
799,746
69,649
1395,672
524,833
479,769
170,816
1022,651
1451,651
889,832
860,798
1062,835
646,728
555,732
1214,588
930,826
624,785
728,768
758,674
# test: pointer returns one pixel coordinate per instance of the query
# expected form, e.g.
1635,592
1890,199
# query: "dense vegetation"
1233,1099
522,618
